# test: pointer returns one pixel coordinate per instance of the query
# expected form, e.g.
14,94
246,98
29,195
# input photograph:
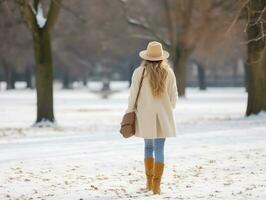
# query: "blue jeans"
155,146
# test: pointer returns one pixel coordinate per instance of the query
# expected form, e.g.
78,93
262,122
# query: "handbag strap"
140,85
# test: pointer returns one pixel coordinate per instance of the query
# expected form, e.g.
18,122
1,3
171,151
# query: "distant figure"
154,113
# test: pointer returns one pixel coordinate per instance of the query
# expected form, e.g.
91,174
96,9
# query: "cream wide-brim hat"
154,52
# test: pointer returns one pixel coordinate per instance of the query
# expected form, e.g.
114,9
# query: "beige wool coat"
155,117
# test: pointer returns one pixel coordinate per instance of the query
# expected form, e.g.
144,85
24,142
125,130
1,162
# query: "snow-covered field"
218,154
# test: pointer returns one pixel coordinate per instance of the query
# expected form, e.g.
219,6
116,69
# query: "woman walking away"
154,110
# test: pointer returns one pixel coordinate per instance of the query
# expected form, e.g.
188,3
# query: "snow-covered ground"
218,154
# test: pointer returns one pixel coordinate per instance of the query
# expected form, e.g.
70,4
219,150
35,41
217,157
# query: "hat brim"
143,55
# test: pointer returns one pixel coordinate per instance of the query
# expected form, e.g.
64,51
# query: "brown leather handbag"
128,122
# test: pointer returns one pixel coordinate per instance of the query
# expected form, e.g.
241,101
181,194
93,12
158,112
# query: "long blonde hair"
157,72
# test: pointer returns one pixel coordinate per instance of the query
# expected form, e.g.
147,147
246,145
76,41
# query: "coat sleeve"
172,88
133,91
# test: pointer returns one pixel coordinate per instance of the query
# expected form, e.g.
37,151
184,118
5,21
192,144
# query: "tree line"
203,30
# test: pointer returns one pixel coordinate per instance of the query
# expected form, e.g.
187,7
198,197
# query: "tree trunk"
10,84
246,76
8,78
234,75
106,85
28,77
130,73
201,77
85,78
66,79
44,76
256,60
13,79
180,69
42,50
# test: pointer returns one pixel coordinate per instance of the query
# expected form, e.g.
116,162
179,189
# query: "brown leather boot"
149,163
158,172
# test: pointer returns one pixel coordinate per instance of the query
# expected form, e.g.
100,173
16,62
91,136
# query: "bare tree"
188,22
12,58
89,34
40,27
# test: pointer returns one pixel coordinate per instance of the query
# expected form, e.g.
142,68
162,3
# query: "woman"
154,113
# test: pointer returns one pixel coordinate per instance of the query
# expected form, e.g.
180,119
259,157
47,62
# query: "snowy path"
219,154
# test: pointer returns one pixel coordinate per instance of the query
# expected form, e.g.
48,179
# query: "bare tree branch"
256,18
143,25
52,14
172,23
73,13
27,11
237,16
